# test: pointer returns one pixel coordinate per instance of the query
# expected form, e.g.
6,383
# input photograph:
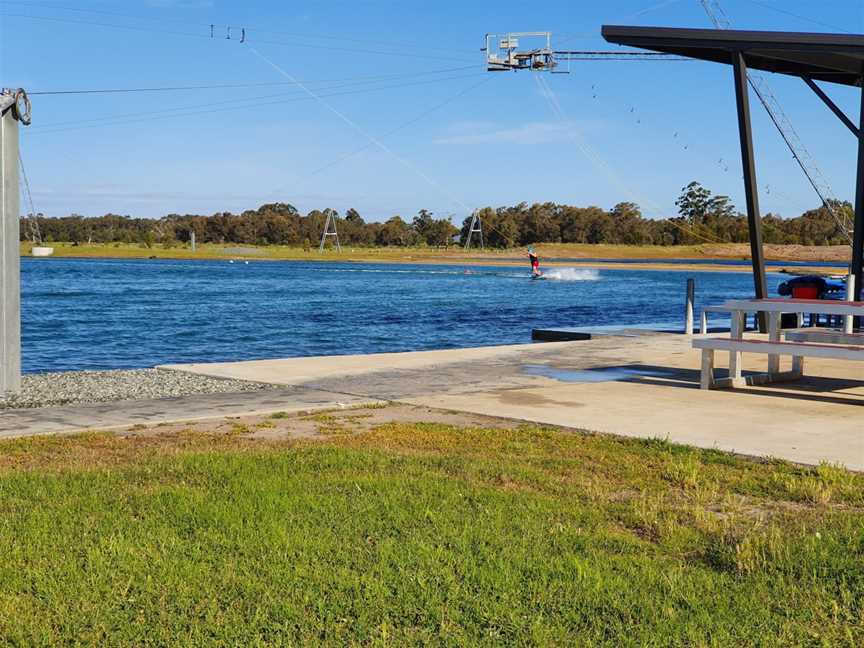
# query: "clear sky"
408,75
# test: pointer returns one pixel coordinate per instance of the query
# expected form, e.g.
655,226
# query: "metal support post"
10,272
751,191
858,235
832,106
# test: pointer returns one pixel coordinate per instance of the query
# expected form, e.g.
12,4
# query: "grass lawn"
423,534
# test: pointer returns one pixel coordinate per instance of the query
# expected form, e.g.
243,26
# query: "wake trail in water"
417,271
572,274
560,274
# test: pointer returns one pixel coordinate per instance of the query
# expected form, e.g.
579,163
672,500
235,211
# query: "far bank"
646,257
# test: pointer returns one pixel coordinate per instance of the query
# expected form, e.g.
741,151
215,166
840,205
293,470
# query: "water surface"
103,314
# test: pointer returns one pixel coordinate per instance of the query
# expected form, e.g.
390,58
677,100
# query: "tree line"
702,217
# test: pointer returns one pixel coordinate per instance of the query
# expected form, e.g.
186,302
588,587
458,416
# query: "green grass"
423,534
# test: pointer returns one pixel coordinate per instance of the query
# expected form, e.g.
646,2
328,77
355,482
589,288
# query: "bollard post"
849,320
688,307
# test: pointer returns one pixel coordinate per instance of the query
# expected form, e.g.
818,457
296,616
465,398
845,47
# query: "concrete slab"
296,371
637,385
108,416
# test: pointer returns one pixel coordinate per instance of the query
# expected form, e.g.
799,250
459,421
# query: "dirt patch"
281,426
530,398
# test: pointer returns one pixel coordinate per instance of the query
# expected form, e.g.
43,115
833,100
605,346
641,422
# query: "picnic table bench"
798,344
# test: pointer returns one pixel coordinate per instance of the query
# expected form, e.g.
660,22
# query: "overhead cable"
224,86
207,36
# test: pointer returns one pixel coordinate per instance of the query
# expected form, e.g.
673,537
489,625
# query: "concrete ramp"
638,385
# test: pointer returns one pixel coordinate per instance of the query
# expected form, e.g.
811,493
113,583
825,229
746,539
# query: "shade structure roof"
837,58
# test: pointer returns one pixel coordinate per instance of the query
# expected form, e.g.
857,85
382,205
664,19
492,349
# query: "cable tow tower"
329,230
533,51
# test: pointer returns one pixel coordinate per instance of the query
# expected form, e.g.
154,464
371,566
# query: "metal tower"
476,227
330,230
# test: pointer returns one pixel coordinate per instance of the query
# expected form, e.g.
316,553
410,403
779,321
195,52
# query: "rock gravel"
79,387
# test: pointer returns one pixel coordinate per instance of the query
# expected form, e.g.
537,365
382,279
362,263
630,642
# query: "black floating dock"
558,335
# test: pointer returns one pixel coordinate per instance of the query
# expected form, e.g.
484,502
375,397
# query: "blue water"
725,262
101,314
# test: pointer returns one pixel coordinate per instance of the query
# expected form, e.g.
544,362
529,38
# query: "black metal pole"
858,236
751,192
832,106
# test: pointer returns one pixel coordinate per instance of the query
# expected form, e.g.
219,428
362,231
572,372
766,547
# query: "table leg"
773,336
707,378
737,332
798,365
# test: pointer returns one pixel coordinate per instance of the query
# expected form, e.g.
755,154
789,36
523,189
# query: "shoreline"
422,257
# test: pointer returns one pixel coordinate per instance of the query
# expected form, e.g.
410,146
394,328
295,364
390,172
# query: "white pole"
848,320
688,307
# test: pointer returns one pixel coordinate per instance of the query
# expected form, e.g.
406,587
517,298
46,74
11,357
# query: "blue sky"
408,75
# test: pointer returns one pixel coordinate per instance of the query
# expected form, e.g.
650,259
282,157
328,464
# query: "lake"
110,314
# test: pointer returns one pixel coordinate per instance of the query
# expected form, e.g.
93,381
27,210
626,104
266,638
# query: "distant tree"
696,204
396,232
148,238
423,223
702,217
539,225
693,203
626,211
354,217
441,233
629,225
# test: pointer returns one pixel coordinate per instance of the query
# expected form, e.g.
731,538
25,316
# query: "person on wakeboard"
535,263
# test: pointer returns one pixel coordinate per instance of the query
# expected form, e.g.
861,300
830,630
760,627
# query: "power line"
589,55
237,105
595,158
654,7
395,130
356,127
223,86
99,24
208,36
784,126
798,16
222,27
33,224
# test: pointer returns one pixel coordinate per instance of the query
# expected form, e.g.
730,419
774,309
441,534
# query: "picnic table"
799,343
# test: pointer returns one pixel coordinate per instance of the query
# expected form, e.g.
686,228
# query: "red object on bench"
805,292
